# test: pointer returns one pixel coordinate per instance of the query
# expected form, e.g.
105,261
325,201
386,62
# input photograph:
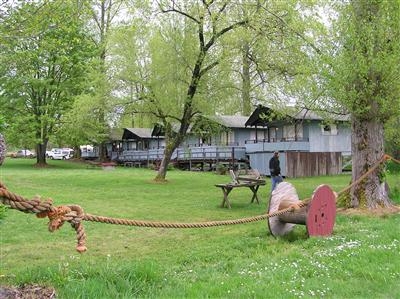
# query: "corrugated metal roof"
231,121
140,132
258,116
312,115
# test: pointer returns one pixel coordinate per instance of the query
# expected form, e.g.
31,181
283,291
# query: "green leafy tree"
203,58
103,15
170,76
392,137
130,68
270,55
45,56
364,78
205,25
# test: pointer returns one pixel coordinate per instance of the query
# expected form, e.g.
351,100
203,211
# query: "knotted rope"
44,208
74,214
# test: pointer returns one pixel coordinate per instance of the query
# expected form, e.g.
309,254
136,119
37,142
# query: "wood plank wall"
300,164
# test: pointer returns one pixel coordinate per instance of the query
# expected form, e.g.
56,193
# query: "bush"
221,169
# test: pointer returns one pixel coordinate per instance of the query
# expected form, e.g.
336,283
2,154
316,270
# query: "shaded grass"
360,259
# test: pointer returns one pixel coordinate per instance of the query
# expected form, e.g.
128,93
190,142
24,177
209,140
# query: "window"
259,134
329,130
293,132
227,138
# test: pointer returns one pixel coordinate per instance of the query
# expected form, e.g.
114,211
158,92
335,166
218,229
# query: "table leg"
226,192
255,190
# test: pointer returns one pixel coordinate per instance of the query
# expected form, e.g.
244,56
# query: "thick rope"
121,221
377,164
74,213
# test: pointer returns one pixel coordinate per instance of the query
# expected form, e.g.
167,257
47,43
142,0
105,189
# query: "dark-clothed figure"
275,170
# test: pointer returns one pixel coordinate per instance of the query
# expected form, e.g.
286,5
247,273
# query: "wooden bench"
253,182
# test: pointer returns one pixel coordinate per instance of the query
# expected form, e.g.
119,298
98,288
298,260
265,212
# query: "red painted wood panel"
321,212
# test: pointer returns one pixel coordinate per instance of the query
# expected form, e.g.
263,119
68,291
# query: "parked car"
24,153
50,152
70,151
58,154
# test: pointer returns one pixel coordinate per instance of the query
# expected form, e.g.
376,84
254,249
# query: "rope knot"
71,213
56,217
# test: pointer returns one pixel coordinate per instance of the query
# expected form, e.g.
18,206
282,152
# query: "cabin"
213,141
210,141
139,147
308,144
227,130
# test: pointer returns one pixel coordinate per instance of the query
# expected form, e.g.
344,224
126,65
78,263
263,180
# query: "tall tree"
45,55
131,47
103,13
166,71
203,58
212,22
365,80
270,51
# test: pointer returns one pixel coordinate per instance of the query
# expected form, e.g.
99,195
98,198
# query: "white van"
59,154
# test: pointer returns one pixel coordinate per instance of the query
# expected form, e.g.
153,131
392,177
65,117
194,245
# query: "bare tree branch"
178,11
209,67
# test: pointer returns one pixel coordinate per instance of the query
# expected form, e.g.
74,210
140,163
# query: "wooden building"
308,144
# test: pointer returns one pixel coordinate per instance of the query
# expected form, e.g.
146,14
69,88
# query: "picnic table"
251,182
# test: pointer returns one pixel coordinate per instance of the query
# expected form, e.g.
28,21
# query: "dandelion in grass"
392,246
340,248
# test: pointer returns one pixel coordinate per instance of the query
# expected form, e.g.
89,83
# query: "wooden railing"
273,140
204,153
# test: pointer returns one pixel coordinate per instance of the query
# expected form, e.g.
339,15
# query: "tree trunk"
103,152
367,149
246,101
162,171
77,152
170,147
2,149
41,154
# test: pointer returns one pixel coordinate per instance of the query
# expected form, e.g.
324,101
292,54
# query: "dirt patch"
378,212
32,291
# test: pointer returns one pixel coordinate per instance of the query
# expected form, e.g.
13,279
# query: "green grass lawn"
360,260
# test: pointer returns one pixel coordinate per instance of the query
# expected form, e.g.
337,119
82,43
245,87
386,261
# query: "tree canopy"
46,54
362,76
